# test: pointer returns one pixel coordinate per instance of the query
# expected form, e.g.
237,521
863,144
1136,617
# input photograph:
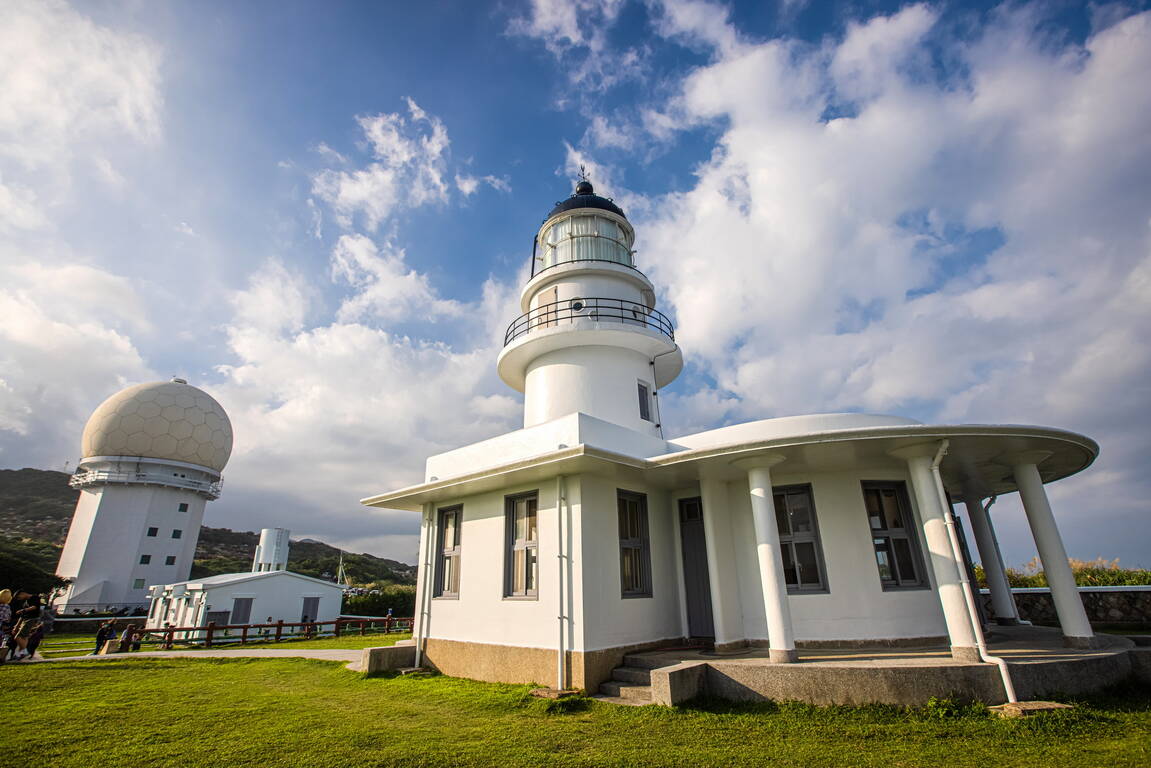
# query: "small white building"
244,598
549,553
152,455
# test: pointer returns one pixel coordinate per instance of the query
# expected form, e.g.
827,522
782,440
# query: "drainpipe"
968,595
561,501
422,607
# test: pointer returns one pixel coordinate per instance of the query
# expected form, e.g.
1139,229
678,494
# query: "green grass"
58,646
212,712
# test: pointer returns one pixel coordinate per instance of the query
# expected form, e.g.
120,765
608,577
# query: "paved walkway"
327,654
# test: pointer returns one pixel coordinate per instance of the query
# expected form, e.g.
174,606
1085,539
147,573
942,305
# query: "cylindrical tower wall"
272,551
601,381
589,285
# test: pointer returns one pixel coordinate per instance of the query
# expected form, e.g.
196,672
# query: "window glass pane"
519,572
806,564
891,511
450,530
532,533
883,558
583,225
799,510
532,567
781,520
904,561
874,509
451,575
789,574
644,402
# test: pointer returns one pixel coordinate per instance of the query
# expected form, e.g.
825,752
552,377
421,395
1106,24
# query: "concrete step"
640,675
621,701
630,691
645,662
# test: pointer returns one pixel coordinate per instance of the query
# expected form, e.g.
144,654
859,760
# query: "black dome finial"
584,187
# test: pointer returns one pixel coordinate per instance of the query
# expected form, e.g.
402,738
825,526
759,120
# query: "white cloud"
408,169
385,287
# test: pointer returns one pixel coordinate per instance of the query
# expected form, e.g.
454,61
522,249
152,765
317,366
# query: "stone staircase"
630,684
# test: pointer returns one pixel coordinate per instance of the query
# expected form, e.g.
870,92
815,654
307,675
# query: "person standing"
105,633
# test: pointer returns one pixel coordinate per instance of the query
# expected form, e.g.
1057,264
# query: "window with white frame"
892,524
521,569
634,547
448,562
799,539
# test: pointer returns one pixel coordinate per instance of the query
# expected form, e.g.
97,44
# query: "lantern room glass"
586,237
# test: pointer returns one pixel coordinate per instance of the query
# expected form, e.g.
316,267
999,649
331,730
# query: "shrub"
1099,572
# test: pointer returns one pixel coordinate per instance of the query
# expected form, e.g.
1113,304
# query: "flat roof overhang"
977,461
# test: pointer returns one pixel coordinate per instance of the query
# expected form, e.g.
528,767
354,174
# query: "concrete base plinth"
1027,708
778,656
966,653
1007,622
1081,643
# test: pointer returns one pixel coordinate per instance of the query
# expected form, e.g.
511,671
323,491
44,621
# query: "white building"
244,598
550,552
152,455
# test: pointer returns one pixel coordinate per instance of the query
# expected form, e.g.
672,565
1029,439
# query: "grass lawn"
58,646
273,712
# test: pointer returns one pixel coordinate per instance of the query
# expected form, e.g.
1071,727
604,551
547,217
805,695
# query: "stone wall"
1104,605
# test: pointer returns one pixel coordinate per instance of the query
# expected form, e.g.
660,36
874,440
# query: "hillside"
36,508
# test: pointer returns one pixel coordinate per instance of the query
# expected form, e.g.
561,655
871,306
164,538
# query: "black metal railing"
601,310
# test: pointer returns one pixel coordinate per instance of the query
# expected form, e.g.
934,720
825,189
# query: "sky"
322,214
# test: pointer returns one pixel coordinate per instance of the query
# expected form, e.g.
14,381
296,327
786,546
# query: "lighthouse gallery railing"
603,310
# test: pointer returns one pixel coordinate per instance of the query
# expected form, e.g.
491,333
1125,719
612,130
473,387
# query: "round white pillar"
1064,592
713,494
780,635
943,563
1001,600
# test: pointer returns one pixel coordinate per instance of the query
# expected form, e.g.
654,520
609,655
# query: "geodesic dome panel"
161,420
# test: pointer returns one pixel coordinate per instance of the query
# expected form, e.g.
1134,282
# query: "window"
799,539
241,610
644,401
145,559
893,535
170,560
138,584
448,565
183,508
521,560
634,552
177,533
153,531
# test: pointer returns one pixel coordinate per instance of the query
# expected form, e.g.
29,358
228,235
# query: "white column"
720,564
943,564
1072,618
780,636
1002,603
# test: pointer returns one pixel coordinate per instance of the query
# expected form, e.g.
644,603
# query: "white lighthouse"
152,455
591,340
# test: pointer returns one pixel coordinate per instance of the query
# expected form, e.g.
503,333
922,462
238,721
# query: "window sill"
793,592
522,598
907,588
636,596
446,597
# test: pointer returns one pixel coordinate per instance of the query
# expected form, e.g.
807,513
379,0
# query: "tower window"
170,560
138,584
153,531
183,507
177,533
145,559
644,401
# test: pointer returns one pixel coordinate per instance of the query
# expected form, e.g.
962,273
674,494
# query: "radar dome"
167,420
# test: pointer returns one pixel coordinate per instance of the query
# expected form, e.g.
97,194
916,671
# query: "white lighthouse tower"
591,340
152,458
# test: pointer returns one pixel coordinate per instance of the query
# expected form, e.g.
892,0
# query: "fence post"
279,629
337,630
208,636
361,626
169,637
244,635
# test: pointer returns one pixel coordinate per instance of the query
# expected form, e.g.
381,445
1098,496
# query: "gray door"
696,583
241,610
311,606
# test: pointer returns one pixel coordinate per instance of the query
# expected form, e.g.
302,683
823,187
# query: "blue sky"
321,213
